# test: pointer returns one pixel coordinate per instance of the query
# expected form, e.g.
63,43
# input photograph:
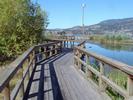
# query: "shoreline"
112,42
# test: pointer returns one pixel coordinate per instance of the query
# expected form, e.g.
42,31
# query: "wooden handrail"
10,71
31,57
103,62
70,38
119,65
81,44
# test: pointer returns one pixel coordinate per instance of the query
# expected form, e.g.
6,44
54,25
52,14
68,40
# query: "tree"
21,25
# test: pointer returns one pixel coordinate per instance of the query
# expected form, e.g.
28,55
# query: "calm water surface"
123,53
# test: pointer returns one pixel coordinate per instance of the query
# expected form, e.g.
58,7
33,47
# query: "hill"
112,26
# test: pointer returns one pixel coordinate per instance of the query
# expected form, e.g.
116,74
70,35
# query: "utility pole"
83,7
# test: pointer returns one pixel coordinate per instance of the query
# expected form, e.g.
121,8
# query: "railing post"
89,73
51,48
46,53
28,61
73,43
70,44
86,69
67,44
102,85
61,46
78,55
74,52
56,48
64,44
6,92
130,85
21,91
36,56
31,61
34,59
75,60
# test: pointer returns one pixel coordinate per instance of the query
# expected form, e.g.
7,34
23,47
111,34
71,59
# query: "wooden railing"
63,37
108,74
105,72
70,38
14,79
82,44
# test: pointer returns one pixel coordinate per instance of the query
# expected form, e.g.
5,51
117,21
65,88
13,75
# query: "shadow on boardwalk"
43,84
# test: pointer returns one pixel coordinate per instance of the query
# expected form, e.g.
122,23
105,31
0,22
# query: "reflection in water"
123,53
118,47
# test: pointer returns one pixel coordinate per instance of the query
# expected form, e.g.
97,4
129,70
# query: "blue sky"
67,13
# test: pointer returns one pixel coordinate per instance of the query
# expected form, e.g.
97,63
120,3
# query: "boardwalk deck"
58,79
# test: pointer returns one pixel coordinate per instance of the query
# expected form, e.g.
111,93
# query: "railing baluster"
28,61
67,44
44,52
63,42
56,49
6,92
31,61
60,48
130,85
79,65
51,48
34,59
102,84
72,43
89,73
86,69
21,90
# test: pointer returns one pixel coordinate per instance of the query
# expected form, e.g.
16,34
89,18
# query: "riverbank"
111,39
122,53
124,42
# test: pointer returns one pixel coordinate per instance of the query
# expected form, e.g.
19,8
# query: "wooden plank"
65,75
76,85
73,86
34,88
72,81
65,92
65,87
50,92
46,82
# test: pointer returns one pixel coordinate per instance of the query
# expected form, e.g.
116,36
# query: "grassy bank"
112,39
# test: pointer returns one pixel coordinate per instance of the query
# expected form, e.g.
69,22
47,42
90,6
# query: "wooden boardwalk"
58,79
59,75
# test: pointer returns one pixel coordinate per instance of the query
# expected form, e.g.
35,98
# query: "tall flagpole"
83,29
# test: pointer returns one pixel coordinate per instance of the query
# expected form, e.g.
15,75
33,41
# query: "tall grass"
110,38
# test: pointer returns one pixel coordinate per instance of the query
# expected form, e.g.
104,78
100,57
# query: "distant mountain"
113,26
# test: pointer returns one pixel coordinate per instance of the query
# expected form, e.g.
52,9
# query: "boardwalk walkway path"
58,79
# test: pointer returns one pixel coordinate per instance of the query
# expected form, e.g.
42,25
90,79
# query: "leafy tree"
21,25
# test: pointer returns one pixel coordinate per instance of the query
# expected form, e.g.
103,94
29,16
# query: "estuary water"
122,53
